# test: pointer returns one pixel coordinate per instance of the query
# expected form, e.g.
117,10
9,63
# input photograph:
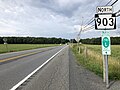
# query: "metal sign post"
105,51
104,75
106,72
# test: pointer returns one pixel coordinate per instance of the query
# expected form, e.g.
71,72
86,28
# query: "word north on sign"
105,21
104,9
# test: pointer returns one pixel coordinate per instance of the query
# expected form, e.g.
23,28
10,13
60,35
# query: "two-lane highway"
52,68
13,71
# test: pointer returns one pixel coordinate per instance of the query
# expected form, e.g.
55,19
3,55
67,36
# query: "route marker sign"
105,21
106,50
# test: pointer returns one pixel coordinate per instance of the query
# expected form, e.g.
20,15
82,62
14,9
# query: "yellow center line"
16,57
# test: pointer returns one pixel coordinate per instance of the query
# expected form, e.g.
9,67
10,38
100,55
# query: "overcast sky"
50,18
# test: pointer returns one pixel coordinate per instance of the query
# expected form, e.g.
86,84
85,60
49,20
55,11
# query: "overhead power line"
89,22
93,12
108,2
91,27
92,19
117,13
114,3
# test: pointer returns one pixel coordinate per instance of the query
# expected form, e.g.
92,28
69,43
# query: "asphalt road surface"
13,71
61,73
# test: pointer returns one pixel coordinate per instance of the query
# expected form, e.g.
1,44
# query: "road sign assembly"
105,20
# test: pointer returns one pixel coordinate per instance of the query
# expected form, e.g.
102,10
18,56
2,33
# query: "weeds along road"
61,73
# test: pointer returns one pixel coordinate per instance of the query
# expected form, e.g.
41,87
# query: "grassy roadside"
91,58
21,47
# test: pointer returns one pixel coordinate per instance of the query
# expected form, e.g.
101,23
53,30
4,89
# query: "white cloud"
58,18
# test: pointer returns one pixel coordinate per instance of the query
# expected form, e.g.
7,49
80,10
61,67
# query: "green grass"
92,60
20,47
115,50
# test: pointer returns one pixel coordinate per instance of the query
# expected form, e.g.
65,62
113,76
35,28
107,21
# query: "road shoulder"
83,79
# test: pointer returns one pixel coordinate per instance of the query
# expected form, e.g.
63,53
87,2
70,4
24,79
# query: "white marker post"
105,20
5,43
77,40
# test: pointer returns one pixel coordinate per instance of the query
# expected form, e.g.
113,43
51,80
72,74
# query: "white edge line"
27,77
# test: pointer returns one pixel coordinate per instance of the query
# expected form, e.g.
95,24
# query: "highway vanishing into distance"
51,68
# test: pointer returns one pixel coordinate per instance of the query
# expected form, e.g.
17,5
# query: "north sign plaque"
104,9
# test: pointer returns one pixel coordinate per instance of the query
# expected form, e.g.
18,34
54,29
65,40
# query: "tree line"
97,41
33,40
